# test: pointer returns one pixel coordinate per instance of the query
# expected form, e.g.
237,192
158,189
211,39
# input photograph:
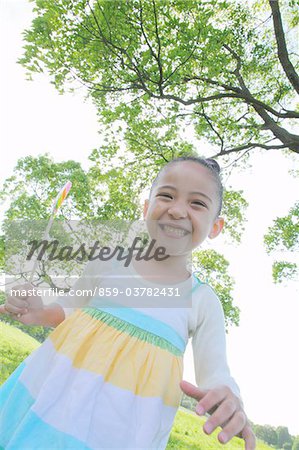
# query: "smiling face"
182,209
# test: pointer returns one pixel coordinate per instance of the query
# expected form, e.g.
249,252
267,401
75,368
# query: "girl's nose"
177,211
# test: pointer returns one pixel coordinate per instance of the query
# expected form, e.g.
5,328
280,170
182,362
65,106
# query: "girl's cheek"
156,209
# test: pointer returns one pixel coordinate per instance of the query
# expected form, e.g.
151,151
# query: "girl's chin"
174,246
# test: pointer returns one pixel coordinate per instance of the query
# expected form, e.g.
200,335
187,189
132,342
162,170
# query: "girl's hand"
24,308
226,410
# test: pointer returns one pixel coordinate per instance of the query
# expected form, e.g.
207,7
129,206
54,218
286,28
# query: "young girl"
111,377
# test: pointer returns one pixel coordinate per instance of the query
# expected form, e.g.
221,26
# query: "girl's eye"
164,195
198,203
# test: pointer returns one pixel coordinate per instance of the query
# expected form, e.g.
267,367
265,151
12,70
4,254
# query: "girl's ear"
216,228
145,208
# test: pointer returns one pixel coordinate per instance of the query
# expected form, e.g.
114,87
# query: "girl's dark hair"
209,163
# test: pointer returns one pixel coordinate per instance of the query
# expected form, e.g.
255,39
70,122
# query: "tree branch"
250,100
113,47
282,47
153,53
235,92
193,101
182,63
288,139
147,144
159,48
249,146
210,123
106,20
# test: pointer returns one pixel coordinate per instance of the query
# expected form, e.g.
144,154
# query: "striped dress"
104,378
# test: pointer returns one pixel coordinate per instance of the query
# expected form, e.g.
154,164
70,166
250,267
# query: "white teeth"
174,231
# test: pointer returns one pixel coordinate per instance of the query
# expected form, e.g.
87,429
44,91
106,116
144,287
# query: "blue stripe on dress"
13,406
36,434
21,428
147,323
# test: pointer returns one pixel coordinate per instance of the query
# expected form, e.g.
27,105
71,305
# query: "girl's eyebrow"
203,195
168,186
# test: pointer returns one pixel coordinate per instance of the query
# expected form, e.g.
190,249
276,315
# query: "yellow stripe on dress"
121,359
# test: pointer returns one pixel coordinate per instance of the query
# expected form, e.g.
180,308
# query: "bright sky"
263,350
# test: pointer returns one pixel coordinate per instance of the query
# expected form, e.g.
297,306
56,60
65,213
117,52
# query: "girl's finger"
221,416
212,399
14,310
191,390
233,427
13,301
249,438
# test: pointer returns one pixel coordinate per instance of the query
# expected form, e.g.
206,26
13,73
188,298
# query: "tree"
222,69
267,433
212,268
34,185
296,443
225,69
283,436
283,235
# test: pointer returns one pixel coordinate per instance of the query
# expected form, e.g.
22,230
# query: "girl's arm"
209,342
217,392
50,316
30,309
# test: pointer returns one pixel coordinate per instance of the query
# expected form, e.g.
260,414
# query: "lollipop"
56,205
61,196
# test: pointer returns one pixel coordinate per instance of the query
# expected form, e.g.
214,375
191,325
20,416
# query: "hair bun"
213,164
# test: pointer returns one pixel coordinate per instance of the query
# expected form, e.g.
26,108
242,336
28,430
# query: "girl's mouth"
174,232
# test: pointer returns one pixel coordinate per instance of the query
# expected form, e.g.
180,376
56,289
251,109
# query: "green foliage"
296,443
276,437
287,446
283,436
283,270
234,206
267,433
155,67
2,252
34,185
15,346
284,235
156,70
38,179
212,268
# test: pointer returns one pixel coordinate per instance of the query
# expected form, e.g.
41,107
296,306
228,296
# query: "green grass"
187,434
15,346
